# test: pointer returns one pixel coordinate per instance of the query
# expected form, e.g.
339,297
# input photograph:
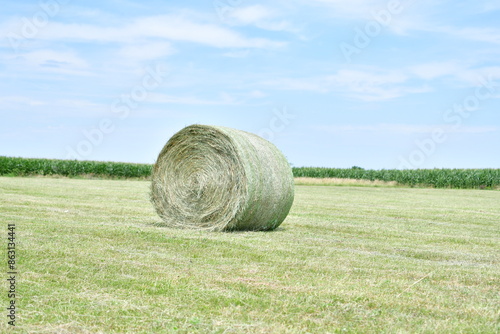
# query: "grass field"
94,258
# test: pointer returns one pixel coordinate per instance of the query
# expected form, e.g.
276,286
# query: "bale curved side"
221,179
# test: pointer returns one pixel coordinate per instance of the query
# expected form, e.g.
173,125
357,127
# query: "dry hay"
221,179
333,181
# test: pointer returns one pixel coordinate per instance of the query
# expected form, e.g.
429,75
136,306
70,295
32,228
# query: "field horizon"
435,178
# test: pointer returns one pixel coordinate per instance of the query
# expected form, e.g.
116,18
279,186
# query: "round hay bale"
221,179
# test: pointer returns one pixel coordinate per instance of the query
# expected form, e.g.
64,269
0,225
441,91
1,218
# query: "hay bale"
221,179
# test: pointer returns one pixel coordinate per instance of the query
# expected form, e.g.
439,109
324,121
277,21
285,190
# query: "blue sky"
376,84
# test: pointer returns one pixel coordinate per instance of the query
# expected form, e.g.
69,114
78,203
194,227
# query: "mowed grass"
94,258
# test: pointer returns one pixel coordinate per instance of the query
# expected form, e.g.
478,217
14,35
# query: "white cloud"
49,61
491,6
488,35
435,70
223,99
462,74
177,28
416,20
257,94
12,102
250,14
399,14
313,84
363,78
52,107
259,16
412,15
54,59
173,28
377,84
406,129
281,25
366,84
78,104
476,77
353,8
146,51
237,54
477,34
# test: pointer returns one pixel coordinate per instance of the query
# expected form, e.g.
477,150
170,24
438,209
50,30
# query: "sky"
332,83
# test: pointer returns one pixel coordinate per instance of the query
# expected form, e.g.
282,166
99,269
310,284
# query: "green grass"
93,258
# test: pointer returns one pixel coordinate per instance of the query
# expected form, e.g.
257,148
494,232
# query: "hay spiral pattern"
221,179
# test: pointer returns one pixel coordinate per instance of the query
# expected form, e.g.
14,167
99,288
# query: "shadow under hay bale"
221,179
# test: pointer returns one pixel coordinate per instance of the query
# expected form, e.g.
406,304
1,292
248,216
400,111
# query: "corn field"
26,167
439,178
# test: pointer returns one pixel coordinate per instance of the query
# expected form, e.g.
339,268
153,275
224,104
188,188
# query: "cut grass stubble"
347,259
332,181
